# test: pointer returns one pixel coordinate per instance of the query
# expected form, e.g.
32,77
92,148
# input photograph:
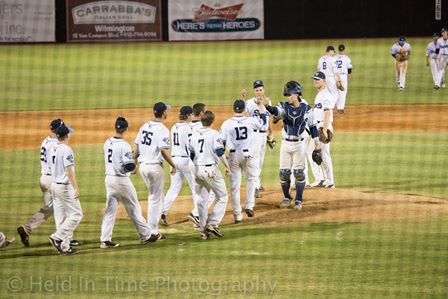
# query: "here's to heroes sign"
89,20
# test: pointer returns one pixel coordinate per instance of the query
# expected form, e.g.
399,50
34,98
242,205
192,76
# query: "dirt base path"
27,129
323,205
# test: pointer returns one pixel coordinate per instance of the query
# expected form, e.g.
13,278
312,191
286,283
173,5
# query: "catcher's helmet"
292,87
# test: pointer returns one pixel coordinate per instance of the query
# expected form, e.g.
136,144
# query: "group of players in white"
193,151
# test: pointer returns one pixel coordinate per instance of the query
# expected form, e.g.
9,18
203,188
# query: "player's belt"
260,131
293,140
207,165
180,156
61,183
47,174
245,151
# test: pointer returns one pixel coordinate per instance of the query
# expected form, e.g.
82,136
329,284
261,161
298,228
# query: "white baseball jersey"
343,63
253,111
327,65
151,139
431,50
117,153
194,125
47,144
442,44
238,132
61,157
324,100
396,48
204,143
180,136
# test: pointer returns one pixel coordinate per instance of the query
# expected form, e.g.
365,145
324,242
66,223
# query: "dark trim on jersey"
314,132
117,137
349,71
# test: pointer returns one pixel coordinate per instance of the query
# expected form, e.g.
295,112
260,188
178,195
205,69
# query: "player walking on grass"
344,66
442,47
207,149
296,115
431,57
180,137
400,51
65,191
327,65
119,164
152,147
238,133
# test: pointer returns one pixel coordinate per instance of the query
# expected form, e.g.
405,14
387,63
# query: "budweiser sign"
206,12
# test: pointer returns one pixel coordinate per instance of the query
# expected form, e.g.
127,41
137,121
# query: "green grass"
86,76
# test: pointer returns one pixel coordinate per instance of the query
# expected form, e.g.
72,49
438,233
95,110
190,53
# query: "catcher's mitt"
322,137
340,86
271,142
317,156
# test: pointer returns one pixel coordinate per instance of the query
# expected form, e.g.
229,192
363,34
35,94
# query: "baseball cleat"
163,220
154,238
238,218
249,212
75,243
330,186
341,111
56,244
321,183
298,206
401,88
261,189
193,218
204,236
70,251
24,237
436,87
108,244
286,202
257,193
214,229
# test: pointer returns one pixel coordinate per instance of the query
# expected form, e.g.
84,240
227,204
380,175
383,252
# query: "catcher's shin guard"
299,175
285,181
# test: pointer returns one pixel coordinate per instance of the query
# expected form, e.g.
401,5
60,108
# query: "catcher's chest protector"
294,119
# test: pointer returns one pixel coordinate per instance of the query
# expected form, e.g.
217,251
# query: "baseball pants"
152,175
210,178
342,94
332,88
46,211
434,70
211,197
258,150
292,155
121,189
68,208
401,69
442,62
315,169
239,162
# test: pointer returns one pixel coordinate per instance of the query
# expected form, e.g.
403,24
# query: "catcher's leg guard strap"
299,175
285,180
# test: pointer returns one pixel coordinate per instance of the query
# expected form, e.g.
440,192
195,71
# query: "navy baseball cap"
402,39
121,123
319,76
239,106
444,29
435,34
160,107
330,48
55,123
341,47
63,130
258,83
186,110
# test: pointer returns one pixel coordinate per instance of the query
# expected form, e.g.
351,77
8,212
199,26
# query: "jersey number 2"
109,157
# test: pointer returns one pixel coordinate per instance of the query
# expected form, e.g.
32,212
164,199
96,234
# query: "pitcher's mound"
321,205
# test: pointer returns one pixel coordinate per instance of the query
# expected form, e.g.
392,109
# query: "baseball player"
238,133
327,65
65,191
206,149
180,136
323,116
400,51
344,66
4,242
152,147
46,211
296,115
442,47
119,164
431,57
260,136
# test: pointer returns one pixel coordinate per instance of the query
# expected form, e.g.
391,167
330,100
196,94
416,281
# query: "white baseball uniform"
323,101
433,61
442,45
327,65
343,64
45,185
180,137
396,48
152,137
239,134
65,205
203,144
260,137
117,154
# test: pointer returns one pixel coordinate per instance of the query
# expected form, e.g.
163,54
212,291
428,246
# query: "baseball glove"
322,137
340,86
403,55
271,142
317,156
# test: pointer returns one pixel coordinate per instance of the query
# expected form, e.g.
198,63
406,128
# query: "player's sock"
299,191
285,189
